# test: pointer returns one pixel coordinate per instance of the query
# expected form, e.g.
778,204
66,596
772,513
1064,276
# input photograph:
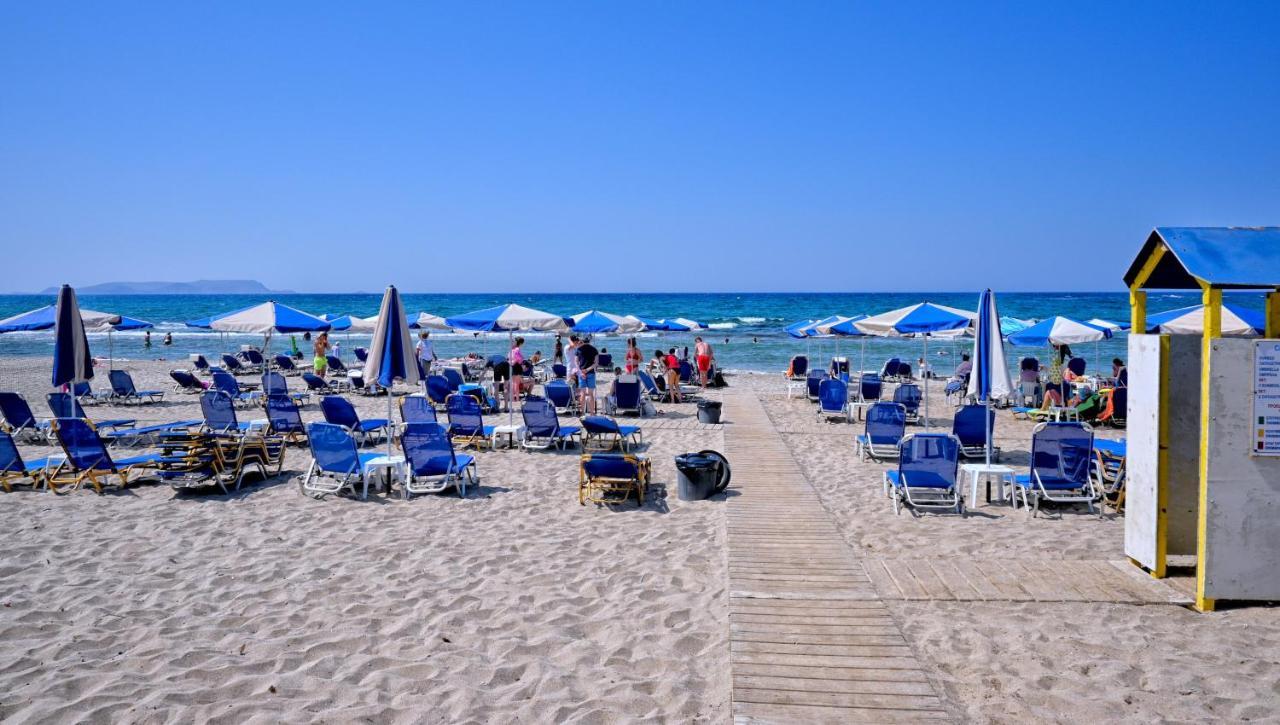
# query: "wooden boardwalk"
1033,580
810,639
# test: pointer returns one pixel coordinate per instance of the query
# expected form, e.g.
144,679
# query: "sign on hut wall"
1266,398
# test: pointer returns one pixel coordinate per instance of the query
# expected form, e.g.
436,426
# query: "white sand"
514,604
519,605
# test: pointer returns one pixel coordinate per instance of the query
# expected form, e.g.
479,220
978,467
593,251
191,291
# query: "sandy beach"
518,605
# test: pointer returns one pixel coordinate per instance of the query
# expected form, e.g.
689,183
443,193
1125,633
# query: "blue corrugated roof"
1240,257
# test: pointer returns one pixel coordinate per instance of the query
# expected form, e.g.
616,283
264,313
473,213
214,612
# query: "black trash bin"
701,475
709,411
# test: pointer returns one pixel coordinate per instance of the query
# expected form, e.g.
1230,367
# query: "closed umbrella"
391,355
990,376
72,362
920,320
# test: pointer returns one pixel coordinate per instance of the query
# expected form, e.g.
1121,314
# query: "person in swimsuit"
703,356
321,349
633,358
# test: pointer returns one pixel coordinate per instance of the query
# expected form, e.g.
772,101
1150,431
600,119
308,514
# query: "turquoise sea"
745,328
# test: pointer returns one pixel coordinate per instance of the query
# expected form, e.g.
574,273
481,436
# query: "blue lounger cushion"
919,480
1050,484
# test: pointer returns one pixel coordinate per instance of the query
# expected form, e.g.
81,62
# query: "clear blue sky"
494,146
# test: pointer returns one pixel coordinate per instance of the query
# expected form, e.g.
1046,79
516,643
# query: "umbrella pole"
111,352
924,374
511,376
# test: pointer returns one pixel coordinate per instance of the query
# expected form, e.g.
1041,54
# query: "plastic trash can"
709,411
701,474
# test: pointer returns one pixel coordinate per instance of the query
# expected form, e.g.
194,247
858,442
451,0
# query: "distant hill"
199,287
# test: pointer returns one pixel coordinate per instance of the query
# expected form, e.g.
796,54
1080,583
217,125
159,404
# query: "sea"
746,329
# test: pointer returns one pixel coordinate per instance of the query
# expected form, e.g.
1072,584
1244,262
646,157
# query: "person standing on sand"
321,349
702,355
633,358
587,354
426,352
673,376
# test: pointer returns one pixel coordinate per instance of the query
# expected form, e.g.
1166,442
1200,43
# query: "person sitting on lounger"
1119,373
1056,386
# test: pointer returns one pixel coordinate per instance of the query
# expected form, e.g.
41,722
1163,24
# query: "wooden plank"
799,638
956,582
820,661
749,713
1031,580
833,673
840,699
826,650
879,576
844,686
905,582
932,585
1004,585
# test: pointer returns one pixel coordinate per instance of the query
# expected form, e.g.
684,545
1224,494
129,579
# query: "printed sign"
1266,398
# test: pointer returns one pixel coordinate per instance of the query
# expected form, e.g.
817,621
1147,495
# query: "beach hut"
1203,448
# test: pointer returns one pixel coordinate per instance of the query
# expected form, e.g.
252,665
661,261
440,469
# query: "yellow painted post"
1212,330
1273,314
1137,311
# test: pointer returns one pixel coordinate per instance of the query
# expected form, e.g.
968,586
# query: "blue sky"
654,146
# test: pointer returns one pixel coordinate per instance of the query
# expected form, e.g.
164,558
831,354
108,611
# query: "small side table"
514,432
975,471
796,388
392,465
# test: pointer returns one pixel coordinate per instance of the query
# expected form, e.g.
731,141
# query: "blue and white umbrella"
427,321
1059,330
920,320
264,319
509,318
43,318
684,324
847,327
648,322
796,329
593,322
337,323
990,376
1237,321
1106,324
391,355
72,362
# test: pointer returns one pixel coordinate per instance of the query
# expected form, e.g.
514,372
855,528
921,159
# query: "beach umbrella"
990,376
796,329
648,322
1010,325
1237,321
1057,331
594,322
391,355
427,321
684,324
121,323
920,320
266,319
44,318
337,323
1106,324
72,362
509,319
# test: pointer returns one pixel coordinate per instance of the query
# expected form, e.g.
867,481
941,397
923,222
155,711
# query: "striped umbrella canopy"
1010,325
337,323
391,355
812,329
428,321
684,324
72,362
43,318
509,318
1106,324
990,376
597,322
796,329
648,322
923,320
847,327
1237,321
268,318
1058,330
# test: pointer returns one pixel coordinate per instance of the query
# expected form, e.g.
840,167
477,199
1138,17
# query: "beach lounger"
542,427
1109,459
798,368
454,379
233,365
438,390
926,474
226,383
559,371
967,427
602,476
890,370
685,372
813,384
124,391
839,368
626,395
488,403
87,458
417,409
273,383
432,464
336,367
220,413
833,400
15,471
651,389
870,388
886,425
285,365
1117,410
317,384
361,354
561,396
1061,455
19,421
185,382
253,358
908,396
199,363
339,411
336,463
604,362
466,420
284,418
200,459
604,433
65,406
86,396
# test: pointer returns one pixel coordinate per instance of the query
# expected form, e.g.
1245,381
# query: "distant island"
198,287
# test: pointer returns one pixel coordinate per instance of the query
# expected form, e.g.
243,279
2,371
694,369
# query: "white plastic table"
393,464
976,471
514,432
